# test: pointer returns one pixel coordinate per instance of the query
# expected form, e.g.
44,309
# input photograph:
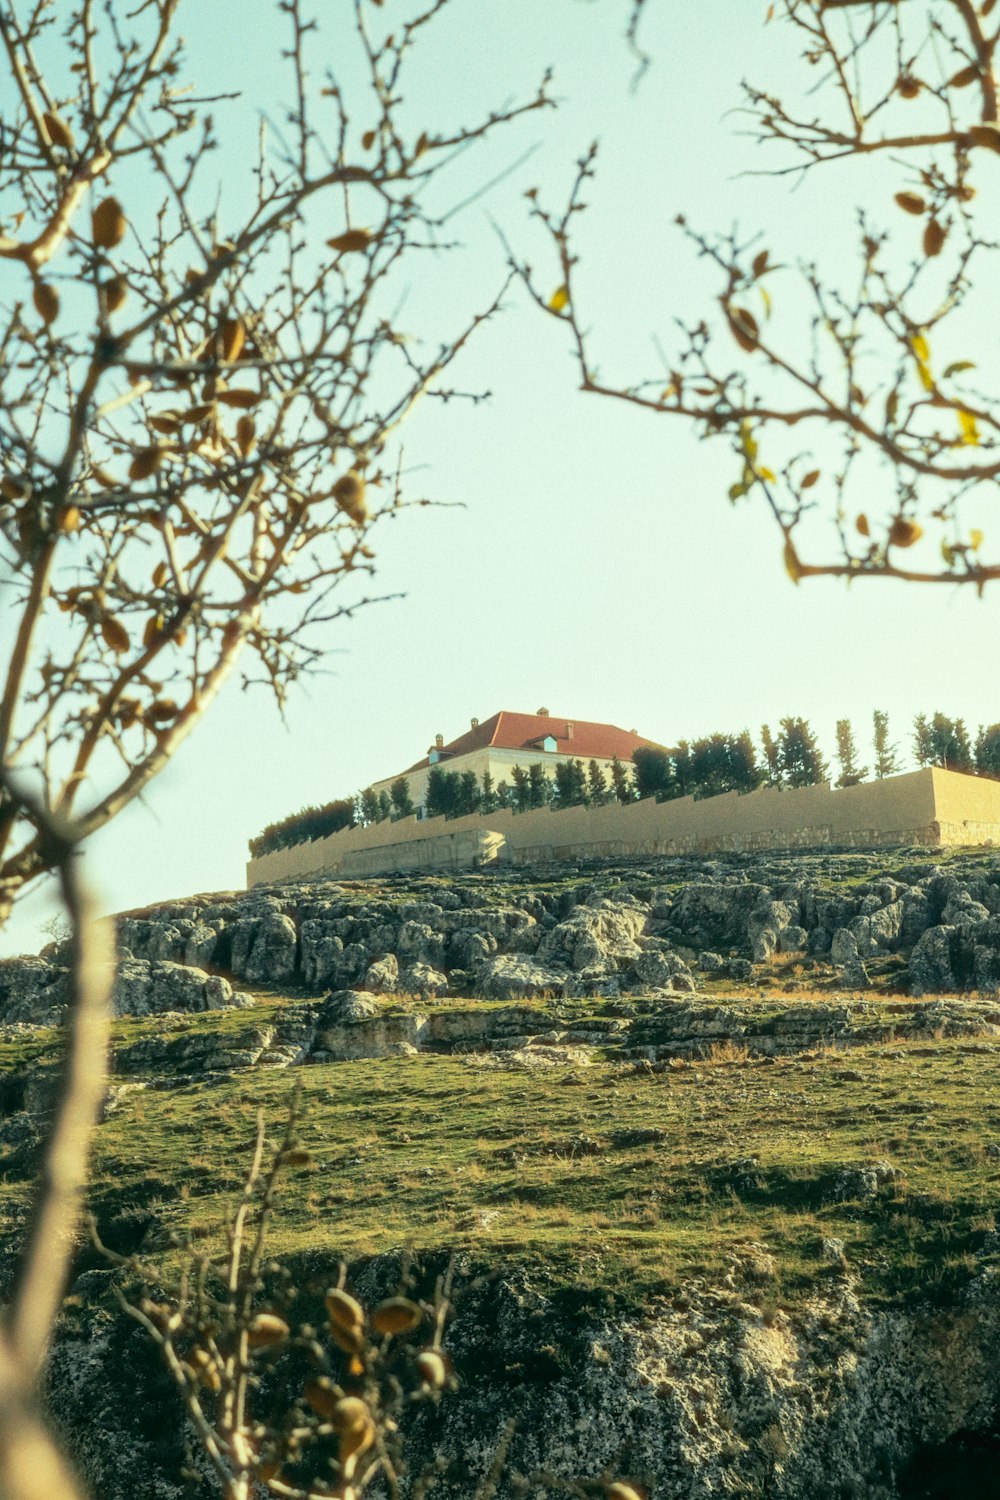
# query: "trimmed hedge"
304,826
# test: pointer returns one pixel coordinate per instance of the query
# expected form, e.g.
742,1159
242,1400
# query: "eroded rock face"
349,1025
37,992
604,934
513,975
268,952
32,990
632,930
720,1394
144,988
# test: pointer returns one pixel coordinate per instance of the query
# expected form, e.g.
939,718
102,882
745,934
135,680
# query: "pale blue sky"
596,566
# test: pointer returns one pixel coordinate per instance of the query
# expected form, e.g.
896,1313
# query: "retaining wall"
930,807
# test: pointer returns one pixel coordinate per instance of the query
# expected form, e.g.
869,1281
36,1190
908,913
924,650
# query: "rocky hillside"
721,1135
920,926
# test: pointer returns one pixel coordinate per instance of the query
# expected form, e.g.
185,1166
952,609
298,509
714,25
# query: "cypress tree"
772,759
622,784
576,784
988,751
746,774
923,745
369,806
651,771
438,798
539,786
847,753
402,802
519,777
466,794
799,754
488,795
942,742
597,785
562,795
886,754
681,771
384,806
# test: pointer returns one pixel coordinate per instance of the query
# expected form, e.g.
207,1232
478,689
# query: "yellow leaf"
926,378
165,421
145,463
232,337
948,553
238,397
935,235
743,326
767,474
115,291
559,299
791,560
987,134
350,240
975,539
911,203
904,532
349,494
747,440
968,428
154,628
396,1315
46,300
246,435
161,711
109,224
115,635
57,130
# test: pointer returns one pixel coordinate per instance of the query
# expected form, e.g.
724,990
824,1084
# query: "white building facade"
508,739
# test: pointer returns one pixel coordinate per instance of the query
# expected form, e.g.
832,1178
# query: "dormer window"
434,757
549,742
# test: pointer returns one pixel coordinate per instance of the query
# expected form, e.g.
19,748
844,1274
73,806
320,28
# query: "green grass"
437,1152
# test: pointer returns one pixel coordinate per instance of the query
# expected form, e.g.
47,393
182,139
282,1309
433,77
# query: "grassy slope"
538,1165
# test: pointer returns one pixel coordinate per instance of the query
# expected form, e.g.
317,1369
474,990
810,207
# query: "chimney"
569,729
439,741
475,723
542,713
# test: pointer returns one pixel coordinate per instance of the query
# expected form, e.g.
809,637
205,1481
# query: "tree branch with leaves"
199,406
859,412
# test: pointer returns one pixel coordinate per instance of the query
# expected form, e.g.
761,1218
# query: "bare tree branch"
860,438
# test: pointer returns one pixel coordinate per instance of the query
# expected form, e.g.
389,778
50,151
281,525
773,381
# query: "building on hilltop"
506,740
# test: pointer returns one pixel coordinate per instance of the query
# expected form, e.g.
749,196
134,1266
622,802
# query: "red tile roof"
509,731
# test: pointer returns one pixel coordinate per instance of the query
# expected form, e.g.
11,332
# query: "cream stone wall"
966,808
921,807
